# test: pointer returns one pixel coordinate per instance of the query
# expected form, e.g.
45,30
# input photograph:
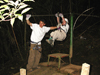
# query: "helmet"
66,20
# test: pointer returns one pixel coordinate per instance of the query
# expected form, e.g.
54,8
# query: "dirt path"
44,71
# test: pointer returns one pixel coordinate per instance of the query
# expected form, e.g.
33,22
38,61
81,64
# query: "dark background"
14,54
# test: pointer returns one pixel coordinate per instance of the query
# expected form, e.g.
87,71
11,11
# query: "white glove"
28,16
57,15
61,15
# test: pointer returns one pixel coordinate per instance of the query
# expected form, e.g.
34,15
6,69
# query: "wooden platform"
71,69
57,55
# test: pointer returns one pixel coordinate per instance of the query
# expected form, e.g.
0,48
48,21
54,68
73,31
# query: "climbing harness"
36,47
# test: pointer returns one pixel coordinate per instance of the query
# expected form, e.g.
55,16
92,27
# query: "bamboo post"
25,36
22,71
71,33
85,69
71,38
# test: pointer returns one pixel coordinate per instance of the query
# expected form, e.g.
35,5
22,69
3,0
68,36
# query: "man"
61,33
38,32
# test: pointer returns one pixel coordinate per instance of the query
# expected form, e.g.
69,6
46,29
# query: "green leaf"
22,6
20,16
4,6
11,3
21,3
29,0
1,2
5,14
12,21
1,17
25,10
3,10
16,3
6,0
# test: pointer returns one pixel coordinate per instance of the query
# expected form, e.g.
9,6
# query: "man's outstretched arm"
52,28
29,23
27,19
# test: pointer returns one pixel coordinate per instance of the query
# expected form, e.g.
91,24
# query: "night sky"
77,6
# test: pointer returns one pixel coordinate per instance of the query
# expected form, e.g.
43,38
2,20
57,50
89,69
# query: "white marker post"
22,71
85,69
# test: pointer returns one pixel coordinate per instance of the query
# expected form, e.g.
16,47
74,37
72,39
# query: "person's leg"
53,37
54,34
31,57
37,57
61,36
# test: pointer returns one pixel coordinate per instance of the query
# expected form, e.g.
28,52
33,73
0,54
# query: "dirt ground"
84,51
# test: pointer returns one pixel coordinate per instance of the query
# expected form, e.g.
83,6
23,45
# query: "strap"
34,42
37,48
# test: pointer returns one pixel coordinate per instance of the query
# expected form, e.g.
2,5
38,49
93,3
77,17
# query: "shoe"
48,41
30,70
51,42
38,67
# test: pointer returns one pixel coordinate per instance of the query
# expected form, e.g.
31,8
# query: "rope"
88,15
42,15
83,21
69,13
47,15
80,15
88,28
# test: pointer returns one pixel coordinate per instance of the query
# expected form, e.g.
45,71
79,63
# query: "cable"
48,15
69,13
87,15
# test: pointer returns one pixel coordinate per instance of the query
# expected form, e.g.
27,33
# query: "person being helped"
38,32
61,33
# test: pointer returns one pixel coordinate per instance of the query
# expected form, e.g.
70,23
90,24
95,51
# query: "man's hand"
59,25
28,16
57,15
61,15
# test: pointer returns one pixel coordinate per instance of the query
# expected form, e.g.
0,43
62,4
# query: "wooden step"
71,69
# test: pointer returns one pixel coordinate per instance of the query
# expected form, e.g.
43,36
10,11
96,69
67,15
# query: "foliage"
9,9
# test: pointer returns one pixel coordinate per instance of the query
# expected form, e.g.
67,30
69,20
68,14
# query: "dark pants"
34,56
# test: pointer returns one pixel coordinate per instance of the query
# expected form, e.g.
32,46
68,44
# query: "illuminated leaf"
11,3
3,6
1,2
6,0
12,21
22,3
1,17
23,6
5,14
29,0
25,10
16,3
2,10
20,16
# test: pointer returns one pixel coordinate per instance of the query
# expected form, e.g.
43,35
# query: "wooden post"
85,69
22,71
